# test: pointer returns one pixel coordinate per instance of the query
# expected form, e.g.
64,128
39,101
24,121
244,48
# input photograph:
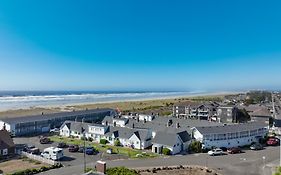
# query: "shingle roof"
231,128
32,118
261,112
163,138
77,126
160,124
5,140
185,137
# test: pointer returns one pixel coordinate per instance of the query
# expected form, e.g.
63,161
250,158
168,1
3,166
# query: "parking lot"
249,162
71,158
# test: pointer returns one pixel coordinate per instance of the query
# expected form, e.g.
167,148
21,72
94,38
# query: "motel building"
230,135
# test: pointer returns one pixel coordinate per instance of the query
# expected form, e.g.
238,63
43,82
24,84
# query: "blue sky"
157,45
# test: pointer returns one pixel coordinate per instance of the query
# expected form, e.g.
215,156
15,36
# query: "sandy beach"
146,105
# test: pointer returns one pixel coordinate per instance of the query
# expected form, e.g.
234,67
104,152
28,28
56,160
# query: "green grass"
132,153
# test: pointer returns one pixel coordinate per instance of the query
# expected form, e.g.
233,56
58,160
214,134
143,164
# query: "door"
5,152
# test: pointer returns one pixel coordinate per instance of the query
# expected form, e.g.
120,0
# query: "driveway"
248,163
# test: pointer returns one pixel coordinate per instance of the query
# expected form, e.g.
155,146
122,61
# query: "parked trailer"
53,153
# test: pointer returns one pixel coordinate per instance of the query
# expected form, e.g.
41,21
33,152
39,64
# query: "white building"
230,135
175,142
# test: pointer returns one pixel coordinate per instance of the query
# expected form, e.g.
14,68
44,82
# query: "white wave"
78,97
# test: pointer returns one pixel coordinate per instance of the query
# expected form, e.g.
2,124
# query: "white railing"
39,158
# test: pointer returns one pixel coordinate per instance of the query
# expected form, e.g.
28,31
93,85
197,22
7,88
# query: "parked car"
272,141
27,148
109,151
34,151
55,130
44,140
73,148
81,149
215,152
62,145
234,150
90,150
256,146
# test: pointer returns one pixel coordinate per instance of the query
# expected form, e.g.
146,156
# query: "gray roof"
142,134
107,119
185,137
75,126
126,133
163,138
43,117
160,124
231,128
120,132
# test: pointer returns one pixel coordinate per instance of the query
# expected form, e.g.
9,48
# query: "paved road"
248,163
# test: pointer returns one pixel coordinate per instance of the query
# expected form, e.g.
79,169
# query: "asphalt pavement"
247,163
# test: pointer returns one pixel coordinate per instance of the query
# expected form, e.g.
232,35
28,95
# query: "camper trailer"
52,153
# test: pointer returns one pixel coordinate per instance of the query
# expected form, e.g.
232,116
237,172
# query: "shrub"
103,141
90,139
195,146
89,169
84,138
166,151
117,142
120,171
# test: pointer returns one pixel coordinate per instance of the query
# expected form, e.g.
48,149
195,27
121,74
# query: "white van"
52,153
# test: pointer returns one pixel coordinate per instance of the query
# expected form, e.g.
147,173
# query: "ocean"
30,99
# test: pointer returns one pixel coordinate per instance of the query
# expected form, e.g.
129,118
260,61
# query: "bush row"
36,170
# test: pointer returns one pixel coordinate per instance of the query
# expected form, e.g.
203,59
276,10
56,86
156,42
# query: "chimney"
101,167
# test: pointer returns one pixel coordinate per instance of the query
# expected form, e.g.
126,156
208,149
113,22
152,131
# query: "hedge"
32,171
103,141
166,151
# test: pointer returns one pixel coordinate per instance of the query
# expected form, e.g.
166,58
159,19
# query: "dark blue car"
90,150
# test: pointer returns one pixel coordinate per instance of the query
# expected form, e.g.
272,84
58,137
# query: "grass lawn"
132,153
19,164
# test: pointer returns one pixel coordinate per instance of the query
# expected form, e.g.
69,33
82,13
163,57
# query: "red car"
272,142
73,148
234,150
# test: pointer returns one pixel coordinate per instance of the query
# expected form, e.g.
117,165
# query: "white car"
215,152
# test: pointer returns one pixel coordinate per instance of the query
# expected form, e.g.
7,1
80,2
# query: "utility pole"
84,149
273,106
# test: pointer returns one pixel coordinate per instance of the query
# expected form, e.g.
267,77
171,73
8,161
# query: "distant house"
175,142
7,146
230,135
226,114
259,113
195,110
